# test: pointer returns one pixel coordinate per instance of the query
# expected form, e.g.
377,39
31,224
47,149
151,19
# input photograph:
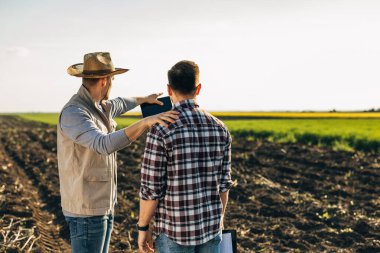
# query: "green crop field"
345,131
48,118
341,134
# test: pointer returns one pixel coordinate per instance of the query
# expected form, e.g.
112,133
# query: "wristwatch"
144,228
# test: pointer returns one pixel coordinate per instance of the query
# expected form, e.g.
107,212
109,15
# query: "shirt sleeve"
122,105
153,171
78,125
225,180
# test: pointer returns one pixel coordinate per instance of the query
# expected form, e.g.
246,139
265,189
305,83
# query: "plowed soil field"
287,198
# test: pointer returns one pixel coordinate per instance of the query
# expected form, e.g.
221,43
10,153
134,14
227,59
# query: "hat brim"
77,70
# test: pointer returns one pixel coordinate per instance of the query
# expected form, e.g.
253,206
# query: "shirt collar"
187,103
85,94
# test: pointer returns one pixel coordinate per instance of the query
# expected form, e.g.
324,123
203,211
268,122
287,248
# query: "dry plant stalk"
14,235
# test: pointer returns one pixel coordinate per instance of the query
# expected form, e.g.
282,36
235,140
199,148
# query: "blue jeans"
91,234
166,245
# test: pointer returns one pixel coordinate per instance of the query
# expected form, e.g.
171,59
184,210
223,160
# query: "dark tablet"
152,109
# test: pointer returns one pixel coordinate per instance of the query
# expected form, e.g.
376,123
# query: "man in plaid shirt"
185,176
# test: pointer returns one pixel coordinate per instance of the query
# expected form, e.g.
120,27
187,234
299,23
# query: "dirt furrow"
31,171
50,240
306,190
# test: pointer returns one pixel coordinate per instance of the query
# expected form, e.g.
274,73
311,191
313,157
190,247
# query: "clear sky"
254,55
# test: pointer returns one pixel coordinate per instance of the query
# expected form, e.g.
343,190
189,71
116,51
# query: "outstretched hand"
152,99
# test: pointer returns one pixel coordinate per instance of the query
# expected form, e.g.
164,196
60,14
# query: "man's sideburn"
107,93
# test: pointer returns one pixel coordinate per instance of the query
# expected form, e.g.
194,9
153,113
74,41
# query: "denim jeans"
166,245
91,234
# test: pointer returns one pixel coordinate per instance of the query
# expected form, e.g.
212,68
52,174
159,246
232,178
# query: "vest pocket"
97,188
98,169
97,174
97,194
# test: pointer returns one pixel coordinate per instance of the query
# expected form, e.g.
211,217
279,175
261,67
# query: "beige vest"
87,179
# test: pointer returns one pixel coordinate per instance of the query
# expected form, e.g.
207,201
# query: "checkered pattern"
185,166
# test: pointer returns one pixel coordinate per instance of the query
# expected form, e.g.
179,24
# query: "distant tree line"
369,110
373,110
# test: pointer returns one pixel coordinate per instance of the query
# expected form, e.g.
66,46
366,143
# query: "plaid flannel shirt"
185,166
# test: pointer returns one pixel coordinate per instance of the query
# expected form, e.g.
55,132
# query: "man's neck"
182,98
93,93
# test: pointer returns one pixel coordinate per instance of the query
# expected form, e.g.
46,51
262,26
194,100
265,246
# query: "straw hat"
95,65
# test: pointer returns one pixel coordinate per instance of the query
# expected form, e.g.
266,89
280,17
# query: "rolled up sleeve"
225,180
78,125
153,171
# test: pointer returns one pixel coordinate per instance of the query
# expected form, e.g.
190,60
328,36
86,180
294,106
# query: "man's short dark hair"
90,81
184,77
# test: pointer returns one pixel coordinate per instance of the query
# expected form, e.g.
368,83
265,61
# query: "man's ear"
103,82
198,89
170,92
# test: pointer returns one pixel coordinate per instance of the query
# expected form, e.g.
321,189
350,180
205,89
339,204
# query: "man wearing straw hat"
87,142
